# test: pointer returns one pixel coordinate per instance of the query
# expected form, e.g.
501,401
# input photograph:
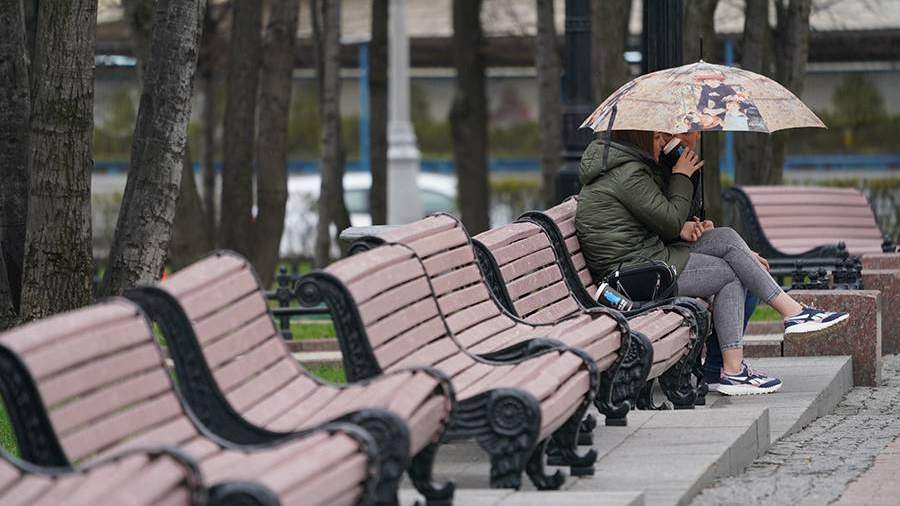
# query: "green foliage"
332,373
516,193
7,436
857,102
765,313
312,330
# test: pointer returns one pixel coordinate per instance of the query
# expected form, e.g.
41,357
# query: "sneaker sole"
737,390
807,327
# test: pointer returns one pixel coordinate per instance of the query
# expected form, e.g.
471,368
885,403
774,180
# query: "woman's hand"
762,261
691,231
688,163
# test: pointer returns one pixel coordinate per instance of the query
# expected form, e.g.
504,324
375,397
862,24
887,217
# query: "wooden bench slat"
249,364
214,326
266,383
393,299
239,341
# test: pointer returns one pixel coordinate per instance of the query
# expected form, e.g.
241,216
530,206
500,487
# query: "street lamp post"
404,201
576,90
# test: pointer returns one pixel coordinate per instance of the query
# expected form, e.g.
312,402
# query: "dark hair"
642,139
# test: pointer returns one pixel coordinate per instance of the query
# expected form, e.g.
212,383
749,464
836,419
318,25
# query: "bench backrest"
564,217
102,379
222,297
796,219
527,264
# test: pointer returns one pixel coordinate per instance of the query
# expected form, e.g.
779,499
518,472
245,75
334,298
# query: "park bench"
807,226
671,368
88,384
215,319
141,478
524,273
403,305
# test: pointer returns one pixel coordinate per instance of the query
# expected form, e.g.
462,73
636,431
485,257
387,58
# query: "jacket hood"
592,166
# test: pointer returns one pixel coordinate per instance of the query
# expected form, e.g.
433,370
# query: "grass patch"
332,373
312,330
764,313
7,436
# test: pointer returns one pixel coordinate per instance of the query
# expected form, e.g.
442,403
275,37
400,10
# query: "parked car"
438,193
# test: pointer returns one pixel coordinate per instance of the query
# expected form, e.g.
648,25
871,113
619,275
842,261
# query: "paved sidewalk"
816,465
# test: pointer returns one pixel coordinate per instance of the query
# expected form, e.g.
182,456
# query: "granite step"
329,358
671,455
762,327
763,345
326,344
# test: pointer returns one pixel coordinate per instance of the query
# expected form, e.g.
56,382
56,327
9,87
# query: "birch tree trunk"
549,72
699,20
240,126
753,151
327,25
378,111
609,34
145,224
469,116
58,258
271,144
791,55
15,112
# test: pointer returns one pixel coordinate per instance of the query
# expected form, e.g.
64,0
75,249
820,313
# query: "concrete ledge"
483,497
759,328
763,345
888,283
313,345
331,358
877,261
859,337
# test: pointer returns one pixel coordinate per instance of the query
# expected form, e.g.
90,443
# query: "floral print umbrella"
702,97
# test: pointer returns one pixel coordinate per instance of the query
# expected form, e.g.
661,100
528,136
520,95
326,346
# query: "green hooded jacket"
629,209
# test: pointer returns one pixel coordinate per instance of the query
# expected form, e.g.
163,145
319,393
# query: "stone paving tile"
815,465
878,486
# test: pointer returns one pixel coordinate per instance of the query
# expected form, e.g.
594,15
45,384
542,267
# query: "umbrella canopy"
702,96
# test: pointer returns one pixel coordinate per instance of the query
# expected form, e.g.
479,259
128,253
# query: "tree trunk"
468,116
240,126
549,72
753,151
699,21
58,258
327,26
145,226
190,238
15,112
139,16
271,144
7,314
792,53
609,34
378,111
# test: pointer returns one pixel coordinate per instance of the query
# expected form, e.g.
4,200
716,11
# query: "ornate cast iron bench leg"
421,472
392,438
621,386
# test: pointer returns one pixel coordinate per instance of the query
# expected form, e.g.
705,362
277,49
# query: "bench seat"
676,329
215,311
92,383
423,305
140,478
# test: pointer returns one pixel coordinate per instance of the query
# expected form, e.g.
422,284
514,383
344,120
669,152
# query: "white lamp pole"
404,204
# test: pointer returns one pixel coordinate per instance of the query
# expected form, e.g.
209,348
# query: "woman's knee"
727,234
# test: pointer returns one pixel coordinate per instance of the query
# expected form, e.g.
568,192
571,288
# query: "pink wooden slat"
562,211
236,465
109,400
543,277
567,227
456,365
260,387
376,282
426,422
540,259
492,326
564,399
64,487
396,298
464,298
791,210
816,221
472,315
112,429
429,354
413,394
392,351
8,474
822,234
474,374
295,393
573,246
507,234
441,241
401,321
123,482
248,364
177,432
349,497
240,312
99,372
797,190
549,314
25,491
449,260
198,274
301,464
812,243
239,341
376,394
671,345
423,228
512,376
542,298
27,338
604,329
222,293
351,268
519,249
327,488
293,418
816,199
89,346
456,279
179,496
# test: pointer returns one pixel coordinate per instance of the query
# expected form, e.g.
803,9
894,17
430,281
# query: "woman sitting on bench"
632,209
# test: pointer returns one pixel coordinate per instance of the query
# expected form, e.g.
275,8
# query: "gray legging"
721,264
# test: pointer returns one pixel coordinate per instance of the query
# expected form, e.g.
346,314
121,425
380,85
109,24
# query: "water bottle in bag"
609,297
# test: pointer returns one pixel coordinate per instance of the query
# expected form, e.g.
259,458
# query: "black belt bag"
645,282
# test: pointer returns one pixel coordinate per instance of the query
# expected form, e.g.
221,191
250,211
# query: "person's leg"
712,366
705,276
728,245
